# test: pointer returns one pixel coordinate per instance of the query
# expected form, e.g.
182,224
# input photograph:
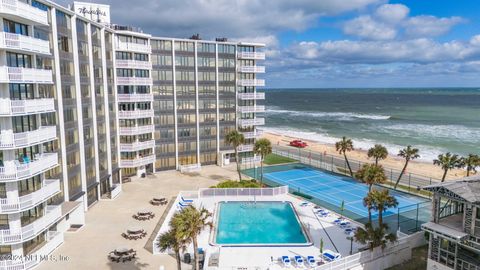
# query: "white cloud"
368,28
430,26
392,13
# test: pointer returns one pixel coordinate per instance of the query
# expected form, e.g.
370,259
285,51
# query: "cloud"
392,13
368,28
430,26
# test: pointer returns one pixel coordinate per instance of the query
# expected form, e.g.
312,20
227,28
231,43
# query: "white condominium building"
85,103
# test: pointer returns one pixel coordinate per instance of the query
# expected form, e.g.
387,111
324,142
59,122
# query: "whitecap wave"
449,132
341,116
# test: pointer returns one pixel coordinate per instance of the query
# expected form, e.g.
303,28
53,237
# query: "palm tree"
374,236
263,147
379,152
471,162
447,162
368,202
235,139
408,153
371,174
169,240
344,146
382,200
189,223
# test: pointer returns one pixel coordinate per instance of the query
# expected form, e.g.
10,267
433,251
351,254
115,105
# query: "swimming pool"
258,223
330,190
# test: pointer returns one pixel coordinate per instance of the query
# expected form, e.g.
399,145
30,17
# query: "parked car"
298,144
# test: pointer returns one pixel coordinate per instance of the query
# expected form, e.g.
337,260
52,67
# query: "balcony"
245,148
251,109
25,75
19,42
134,81
17,10
135,114
252,134
133,64
135,97
254,159
141,161
136,146
251,55
10,140
251,69
251,82
251,122
14,170
130,46
27,232
26,106
250,96
136,130
22,203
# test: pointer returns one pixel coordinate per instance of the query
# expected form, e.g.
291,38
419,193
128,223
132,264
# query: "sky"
331,43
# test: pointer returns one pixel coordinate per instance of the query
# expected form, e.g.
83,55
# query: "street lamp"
350,237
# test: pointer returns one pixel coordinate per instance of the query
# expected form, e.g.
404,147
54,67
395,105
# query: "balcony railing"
252,134
245,148
254,159
251,122
251,82
134,81
130,46
248,96
136,130
26,106
134,97
24,43
24,11
251,69
25,75
10,140
251,109
54,239
251,55
132,163
133,64
135,114
27,232
21,203
136,146
14,170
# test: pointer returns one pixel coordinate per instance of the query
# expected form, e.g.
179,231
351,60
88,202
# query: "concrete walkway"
105,221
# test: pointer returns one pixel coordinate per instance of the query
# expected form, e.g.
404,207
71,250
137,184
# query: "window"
63,43
19,60
184,46
141,57
21,91
164,45
14,27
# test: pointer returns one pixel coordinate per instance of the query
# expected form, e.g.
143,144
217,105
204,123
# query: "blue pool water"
332,189
260,223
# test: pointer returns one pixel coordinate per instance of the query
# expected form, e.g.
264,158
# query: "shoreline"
415,167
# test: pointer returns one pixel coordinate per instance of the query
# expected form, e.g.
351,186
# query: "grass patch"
417,262
238,184
273,159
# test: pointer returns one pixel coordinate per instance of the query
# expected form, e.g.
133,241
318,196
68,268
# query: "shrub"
237,184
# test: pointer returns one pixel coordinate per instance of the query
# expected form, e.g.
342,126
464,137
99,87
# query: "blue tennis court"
331,189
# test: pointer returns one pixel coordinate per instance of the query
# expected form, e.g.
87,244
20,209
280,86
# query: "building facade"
85,103
454,230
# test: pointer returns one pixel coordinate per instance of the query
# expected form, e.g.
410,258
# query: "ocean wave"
457,132
427,153
341,116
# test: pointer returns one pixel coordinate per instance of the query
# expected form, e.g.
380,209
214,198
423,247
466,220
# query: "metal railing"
25,75
14,170
24,43
251,55
134,97
245,148
26,106
248,96
252,134
251,109
251,122
130,46
10,140
251,82
135,114
236,192
15,204
134,81
133,64
251,69
137,162
20,9
135,146
136,130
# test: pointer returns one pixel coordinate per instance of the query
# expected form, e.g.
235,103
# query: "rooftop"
466,189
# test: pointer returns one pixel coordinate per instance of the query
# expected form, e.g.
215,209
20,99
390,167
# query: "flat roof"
444,231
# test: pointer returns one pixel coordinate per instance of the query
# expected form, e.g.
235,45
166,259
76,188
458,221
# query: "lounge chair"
348,230
311,261
330,256
304,204
286,261
344,224
299,261
183,204
185,201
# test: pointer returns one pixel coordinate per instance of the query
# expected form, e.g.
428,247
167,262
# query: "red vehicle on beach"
298,144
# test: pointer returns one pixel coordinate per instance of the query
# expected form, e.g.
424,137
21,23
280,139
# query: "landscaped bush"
237,184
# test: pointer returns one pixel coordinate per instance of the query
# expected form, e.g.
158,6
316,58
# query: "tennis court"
330,190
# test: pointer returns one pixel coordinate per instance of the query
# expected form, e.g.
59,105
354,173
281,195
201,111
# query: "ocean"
433,120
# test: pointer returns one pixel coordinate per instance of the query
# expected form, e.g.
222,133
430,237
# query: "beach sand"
393,162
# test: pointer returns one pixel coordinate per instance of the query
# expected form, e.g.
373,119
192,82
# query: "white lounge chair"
185,200
311,261
330,256
299,261
286,261
304,204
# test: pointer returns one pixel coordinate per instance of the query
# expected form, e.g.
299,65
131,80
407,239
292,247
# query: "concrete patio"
88,248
